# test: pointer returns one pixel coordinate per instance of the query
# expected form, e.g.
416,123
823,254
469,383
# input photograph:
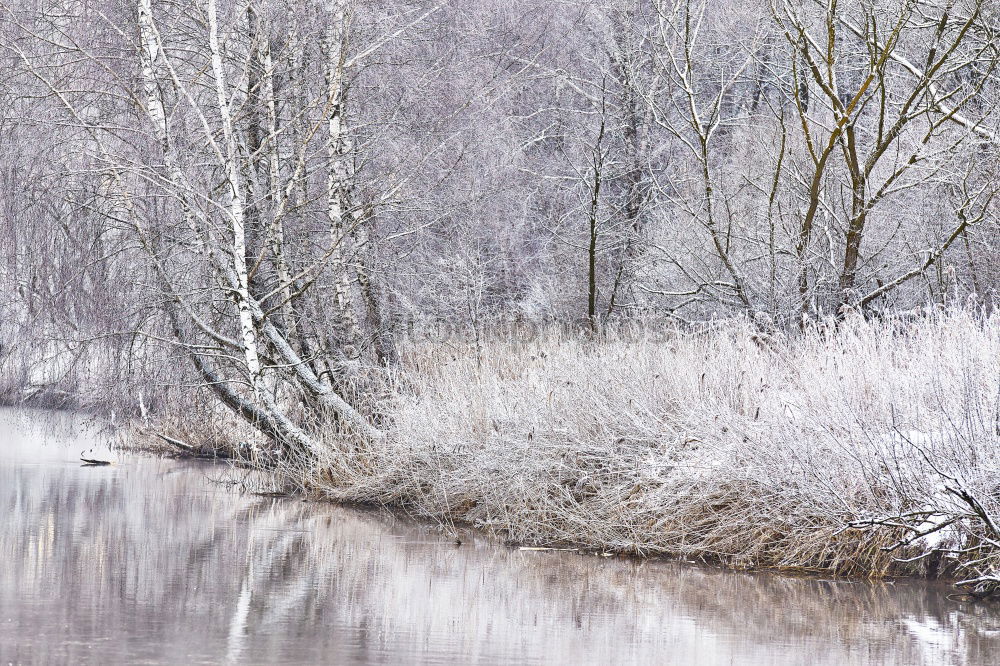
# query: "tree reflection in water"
147,560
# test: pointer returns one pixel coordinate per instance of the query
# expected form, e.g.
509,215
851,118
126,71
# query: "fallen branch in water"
190,450
93,462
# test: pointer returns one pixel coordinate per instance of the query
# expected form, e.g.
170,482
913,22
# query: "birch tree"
218,197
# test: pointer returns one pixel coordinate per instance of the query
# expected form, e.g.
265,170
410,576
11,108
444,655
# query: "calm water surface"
153,561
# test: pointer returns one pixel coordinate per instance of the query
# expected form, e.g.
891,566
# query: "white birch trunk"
235,208
339,174
277,230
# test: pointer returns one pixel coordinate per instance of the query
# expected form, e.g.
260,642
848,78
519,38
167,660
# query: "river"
159,561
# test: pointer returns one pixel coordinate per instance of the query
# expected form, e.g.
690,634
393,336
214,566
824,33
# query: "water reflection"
148,561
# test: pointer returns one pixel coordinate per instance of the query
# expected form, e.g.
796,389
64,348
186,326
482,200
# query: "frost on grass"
869,448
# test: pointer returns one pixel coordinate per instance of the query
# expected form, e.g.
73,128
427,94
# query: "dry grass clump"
816,451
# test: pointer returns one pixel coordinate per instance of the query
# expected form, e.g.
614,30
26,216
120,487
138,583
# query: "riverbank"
866,450
181,567
840,451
